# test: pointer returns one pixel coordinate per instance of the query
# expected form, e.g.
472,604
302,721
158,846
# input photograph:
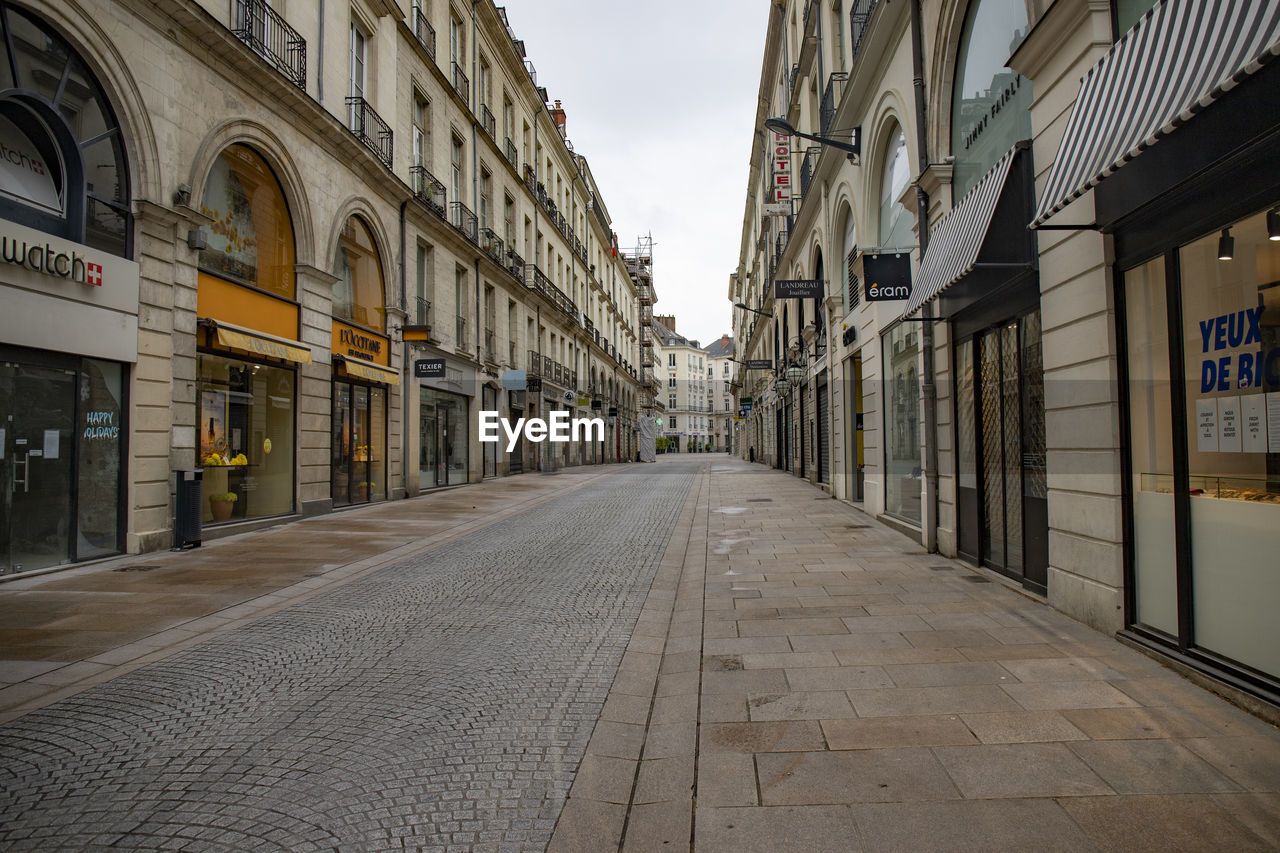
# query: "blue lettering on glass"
1234,331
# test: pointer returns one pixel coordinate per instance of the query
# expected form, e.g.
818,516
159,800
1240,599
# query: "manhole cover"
759,500
135,568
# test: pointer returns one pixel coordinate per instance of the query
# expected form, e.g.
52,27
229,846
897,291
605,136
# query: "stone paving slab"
856,693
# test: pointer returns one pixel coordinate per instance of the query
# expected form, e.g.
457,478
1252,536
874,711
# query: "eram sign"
887,277
559,429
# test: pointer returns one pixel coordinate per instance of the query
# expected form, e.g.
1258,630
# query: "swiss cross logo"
94,275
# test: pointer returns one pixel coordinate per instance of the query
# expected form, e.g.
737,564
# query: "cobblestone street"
445,700
701,654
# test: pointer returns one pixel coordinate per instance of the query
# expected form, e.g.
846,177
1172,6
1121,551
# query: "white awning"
954,242
1179,58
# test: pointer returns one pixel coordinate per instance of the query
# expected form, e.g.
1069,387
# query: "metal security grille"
824,436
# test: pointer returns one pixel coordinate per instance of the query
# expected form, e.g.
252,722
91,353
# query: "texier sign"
781,160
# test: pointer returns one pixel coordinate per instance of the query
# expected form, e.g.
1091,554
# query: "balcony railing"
461,217
491,243
511,350
422,312
513,157
460,329
489,122
536,279
428,189
424,32
551,371
831,99
515,264
490,349
370,129
531,179
806,168
461,84
266,33
859,18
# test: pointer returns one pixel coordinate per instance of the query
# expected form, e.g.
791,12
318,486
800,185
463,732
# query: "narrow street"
699,654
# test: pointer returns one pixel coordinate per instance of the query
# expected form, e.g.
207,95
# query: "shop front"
1185,183
445,392
247,347
68,305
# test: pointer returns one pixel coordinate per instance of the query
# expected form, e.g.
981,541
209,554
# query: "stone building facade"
1023,244
319,238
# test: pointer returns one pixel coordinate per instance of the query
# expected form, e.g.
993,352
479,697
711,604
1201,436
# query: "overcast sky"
660,98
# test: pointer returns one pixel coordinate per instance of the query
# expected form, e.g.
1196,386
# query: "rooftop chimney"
668,320
724,342
557,115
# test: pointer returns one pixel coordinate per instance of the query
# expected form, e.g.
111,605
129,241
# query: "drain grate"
942,568
857,526
759,500
135,568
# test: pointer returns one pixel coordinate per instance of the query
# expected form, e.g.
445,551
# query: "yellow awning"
368,370
260,343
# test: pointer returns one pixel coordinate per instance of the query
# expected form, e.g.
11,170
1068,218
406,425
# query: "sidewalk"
804,678
65,631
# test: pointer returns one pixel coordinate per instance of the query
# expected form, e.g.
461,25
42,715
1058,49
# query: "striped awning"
955,241
1179,58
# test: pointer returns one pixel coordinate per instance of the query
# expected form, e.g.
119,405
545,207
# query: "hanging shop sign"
797,288
429,368
781,168
886,277
850,335
759,364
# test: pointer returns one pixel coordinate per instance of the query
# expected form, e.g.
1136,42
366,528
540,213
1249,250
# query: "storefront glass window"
98,476
1151,448
444,439
251,237
245,433
903,481
358,294
991,103
1129,11
1231,350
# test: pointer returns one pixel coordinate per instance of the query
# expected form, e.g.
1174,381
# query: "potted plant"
221,504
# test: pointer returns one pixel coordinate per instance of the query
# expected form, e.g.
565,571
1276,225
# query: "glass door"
37,413
342,450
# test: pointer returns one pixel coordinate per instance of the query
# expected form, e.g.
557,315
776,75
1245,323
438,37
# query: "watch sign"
886,277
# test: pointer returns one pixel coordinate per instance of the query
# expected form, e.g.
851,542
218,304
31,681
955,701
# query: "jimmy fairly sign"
560,429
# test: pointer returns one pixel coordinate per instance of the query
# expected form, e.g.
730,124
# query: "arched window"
849,254
895,220
358,295
991,103
62,163
251,238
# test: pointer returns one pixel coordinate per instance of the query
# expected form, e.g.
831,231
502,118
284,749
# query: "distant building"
719,396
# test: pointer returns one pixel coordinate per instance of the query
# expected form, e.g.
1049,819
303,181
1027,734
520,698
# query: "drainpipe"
405,349
929,387
320,55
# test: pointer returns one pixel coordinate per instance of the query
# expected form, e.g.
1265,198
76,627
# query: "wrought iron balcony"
422,312
831,99
511,352
491,243
490,347
370,129
531,179
424,32
806,168
461,84
515,264
513,157
428,189
460,328
859,18
461,217
488,121
266,33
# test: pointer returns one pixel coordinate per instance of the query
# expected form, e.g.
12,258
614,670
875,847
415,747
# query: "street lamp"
746,307
853,147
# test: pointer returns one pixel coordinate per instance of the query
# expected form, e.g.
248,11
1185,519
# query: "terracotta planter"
221,510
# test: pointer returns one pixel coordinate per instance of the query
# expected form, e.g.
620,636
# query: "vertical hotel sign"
780,159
